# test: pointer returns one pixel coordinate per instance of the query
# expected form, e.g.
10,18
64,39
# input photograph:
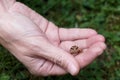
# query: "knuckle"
60,60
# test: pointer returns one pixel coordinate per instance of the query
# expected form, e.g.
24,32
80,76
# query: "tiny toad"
75,50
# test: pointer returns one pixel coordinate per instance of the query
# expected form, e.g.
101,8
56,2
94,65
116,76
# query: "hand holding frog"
43,47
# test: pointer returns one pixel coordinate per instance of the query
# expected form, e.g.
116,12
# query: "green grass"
101,15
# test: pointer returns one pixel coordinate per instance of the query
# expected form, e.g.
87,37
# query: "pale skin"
43,47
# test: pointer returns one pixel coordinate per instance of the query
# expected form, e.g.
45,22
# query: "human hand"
43,47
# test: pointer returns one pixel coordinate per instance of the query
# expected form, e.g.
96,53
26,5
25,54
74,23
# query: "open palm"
43,47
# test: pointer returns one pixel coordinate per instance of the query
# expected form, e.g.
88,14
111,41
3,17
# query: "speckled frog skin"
75,50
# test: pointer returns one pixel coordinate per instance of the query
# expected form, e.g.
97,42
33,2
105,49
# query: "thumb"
58,56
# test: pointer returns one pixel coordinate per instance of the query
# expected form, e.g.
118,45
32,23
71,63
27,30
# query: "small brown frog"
75,50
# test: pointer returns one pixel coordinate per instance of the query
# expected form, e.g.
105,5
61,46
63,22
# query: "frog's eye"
71,48
76,47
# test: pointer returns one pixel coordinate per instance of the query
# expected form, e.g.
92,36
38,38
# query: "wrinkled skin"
43,47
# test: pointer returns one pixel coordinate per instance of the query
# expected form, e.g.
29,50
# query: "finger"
90,41
57,70
63,59
90,54
49,68
58,56
100,44
41,67
75,33
52,69
82,44
34,16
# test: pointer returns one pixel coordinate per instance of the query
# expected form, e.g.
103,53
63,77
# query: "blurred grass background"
101,15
